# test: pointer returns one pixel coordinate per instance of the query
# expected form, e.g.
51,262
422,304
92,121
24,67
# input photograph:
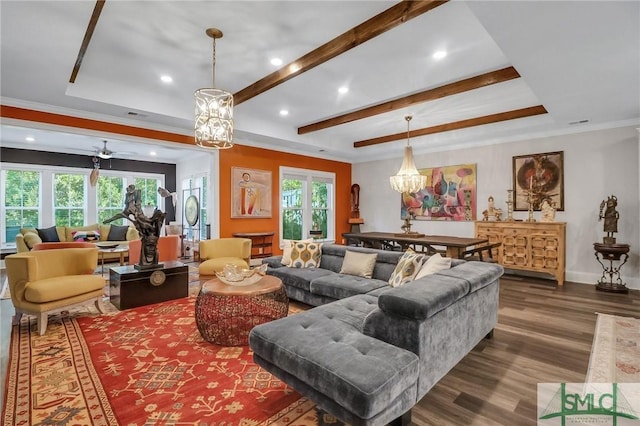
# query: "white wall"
597,164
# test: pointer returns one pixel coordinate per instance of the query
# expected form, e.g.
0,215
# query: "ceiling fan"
104,152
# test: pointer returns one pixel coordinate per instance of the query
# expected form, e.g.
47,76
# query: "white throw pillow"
434,264
286,250
305,255
358,264
407,268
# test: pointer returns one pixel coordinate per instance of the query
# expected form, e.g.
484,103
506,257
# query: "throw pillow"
407,268
286,250
85,235
31,239
117,233
305,255
358,264
434,264
49,235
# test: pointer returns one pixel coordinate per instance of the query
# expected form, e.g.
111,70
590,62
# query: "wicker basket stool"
225,314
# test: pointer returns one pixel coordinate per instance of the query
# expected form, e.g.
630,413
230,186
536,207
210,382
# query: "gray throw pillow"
48,235
118,233
359,264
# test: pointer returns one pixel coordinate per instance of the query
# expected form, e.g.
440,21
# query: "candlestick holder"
530,201
509,206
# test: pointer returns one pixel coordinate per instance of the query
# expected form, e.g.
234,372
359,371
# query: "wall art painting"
250,193
450,195
538,177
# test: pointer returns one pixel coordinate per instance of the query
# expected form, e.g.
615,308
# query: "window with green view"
21,201
110,190
148,192
306,204
68,199
292,210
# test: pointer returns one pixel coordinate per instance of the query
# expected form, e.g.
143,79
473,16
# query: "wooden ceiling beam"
373,27
454,88
462,124
97,10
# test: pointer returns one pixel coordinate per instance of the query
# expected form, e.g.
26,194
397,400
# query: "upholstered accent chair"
42,282
168,249
216,253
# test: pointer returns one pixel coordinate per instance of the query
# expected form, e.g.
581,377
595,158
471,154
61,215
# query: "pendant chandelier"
408,179
214,110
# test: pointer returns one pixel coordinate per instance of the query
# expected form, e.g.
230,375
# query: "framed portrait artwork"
538,177
250,193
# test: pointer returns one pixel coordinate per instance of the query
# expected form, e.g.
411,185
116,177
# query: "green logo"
586,403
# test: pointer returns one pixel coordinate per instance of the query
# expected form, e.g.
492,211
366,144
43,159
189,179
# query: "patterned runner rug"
615,353
143,366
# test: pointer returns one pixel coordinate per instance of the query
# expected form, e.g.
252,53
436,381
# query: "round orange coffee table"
225,314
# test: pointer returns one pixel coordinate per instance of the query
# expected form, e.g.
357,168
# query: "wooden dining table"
453,247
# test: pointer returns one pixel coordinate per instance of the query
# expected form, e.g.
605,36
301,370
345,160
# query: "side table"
225,314
121,250
611,253
261,243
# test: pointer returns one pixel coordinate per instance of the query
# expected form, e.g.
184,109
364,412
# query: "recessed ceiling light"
276,61
284,112
343,89
166,79
30,139
439,54
153,153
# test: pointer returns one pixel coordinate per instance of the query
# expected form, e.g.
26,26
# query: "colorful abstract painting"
250,193
450,194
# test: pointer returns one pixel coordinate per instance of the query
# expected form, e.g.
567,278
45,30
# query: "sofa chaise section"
323,354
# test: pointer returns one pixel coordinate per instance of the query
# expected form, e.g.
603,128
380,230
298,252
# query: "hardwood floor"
544,335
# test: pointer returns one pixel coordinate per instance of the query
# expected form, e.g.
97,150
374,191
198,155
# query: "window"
196,185
42,196
21,194
110,198
306,203
148,192
203,208
69,208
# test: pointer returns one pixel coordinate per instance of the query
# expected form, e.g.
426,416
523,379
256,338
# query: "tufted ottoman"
323,354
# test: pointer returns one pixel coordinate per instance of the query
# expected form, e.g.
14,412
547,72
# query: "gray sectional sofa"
369,352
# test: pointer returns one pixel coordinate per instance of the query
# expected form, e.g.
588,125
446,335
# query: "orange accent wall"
264,159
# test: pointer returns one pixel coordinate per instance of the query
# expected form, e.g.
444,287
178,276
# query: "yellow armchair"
215,254
49,281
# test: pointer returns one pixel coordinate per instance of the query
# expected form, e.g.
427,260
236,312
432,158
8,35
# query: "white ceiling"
580,60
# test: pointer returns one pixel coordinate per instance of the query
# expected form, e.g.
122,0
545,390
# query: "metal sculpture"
149,228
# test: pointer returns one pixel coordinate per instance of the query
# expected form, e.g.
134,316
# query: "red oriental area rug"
143,366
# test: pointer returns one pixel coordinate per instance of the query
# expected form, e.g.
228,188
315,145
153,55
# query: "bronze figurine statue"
149,228
355,201
611,217
407,222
